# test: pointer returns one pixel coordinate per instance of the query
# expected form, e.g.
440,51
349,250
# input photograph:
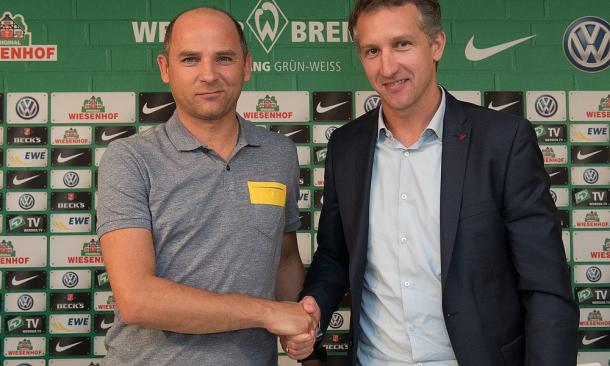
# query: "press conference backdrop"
77,74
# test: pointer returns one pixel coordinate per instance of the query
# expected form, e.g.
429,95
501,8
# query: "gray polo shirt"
216,226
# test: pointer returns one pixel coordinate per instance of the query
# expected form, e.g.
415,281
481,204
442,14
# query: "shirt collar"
183,140
435,124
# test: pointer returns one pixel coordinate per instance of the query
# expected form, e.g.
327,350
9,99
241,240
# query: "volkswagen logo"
26,201
371,102
590,176
336,321
329,132
25,302
71,179
586,44
27,108
546,105
594,274
70,279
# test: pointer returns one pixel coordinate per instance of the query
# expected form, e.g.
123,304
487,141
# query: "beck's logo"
16,41
27,136
267,22
586,44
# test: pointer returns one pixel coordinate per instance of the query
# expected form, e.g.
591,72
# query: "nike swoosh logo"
477,54
587,342
581,156
59,348
321,109
18,182
554,174
147,110
292,133
105,325
16,282
500,107
110,137
61,159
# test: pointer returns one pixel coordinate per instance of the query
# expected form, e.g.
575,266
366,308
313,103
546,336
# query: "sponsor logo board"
339,320
69,323
505,101
554,154
331,106
93,107
468,96
74,201
73,279
99,152
27,108
26,201
70,302
25,302
26,223
593,359
585,274
591,176
593,295
70,156
591,339
318,177
591,218
102,322
276,106
156,106
589,105
589,132
16,41
590,154
73,346
304,244
589,197
303,154
26,157
594,317
305,218
336,342
25,324
72,135
304,198
299,134
26,179
106,134
322,133
561,197
70,223
591,246
558,175
304,177
550,133
70,179
25,280
24,347
75,251
23,251
99,349
26,136
104,301
101,280
586,44
366,101
546,106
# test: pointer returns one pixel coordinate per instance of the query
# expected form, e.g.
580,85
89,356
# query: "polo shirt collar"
183,140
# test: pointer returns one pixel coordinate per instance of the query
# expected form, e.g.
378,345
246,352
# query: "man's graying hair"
170,28
429,14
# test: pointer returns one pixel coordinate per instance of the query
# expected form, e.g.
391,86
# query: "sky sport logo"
586,44
267,22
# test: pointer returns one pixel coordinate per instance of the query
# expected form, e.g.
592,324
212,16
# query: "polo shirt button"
403,196
406,153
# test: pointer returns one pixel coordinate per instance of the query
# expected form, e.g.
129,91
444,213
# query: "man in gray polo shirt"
197,217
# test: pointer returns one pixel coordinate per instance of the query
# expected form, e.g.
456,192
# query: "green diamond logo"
267,22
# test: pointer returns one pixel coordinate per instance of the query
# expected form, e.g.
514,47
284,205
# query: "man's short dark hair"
170,28
429,14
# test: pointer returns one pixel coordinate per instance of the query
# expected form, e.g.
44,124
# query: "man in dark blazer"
487,283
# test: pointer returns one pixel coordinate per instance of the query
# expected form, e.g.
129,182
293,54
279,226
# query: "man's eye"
371,52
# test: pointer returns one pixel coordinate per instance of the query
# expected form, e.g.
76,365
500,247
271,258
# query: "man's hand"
289,318
300,346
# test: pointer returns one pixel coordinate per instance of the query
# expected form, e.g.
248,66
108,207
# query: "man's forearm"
290,276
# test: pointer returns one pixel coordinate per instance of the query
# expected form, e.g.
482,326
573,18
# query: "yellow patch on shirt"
267,193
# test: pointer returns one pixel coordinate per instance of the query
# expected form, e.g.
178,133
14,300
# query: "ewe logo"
586,44
267,22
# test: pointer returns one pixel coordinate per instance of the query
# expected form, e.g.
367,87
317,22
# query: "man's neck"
407,125
219,135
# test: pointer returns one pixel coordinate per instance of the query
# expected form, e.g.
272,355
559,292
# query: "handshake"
297,326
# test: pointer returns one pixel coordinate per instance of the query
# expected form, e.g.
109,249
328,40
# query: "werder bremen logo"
93,105
16,222
585,295
582,196
267,104
15,323
267,22
6,249
539,131
91,249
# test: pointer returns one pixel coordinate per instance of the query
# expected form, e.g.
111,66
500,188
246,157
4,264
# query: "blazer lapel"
456,140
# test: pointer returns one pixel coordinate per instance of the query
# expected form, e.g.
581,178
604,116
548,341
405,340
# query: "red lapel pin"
461,136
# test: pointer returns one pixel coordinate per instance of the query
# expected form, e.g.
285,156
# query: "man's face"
397,56
205,66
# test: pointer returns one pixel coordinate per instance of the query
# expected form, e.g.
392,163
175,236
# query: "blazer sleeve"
534,235
327,279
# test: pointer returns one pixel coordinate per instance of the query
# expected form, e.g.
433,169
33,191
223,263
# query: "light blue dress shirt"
402,319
